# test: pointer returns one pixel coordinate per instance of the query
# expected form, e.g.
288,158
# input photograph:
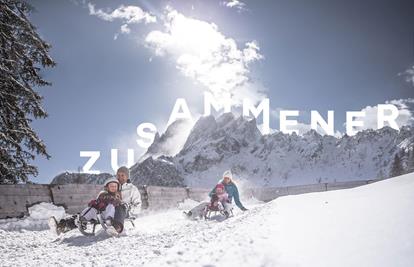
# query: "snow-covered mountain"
170,142
227,142
197,156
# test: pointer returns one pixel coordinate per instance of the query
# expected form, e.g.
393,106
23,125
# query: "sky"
123,63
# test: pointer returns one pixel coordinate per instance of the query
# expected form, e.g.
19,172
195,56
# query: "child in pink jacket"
219,197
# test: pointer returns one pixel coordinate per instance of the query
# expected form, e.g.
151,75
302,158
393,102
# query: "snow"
37,219
198,157
187,204
229,142
365,226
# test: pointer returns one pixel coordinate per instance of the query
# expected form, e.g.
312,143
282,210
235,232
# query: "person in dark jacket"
231,189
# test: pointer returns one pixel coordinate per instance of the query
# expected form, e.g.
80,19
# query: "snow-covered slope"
366,226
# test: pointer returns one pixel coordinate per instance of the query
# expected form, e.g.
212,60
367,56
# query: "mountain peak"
224,119
215,145
171,141
201,130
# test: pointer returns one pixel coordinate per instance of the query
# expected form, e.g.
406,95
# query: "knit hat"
124,169
228,174
221,186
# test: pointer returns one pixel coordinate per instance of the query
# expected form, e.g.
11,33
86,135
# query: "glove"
92,203
97,204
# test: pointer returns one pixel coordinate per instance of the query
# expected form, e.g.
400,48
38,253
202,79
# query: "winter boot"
118,226
80,221
109,221
226,213
63,226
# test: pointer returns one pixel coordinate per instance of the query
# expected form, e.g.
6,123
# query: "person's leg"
109,212
67,224
119,217
89,214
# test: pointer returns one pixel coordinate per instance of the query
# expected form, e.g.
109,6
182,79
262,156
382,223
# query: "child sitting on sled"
219,201
218,197
105,204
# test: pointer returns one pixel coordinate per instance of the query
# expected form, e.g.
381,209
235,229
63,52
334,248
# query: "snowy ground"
366,226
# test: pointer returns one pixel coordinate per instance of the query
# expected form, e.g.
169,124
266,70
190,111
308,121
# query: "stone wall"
15,199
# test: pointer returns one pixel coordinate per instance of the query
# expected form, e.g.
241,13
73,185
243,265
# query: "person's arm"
237,199
100,194
99,202
135,196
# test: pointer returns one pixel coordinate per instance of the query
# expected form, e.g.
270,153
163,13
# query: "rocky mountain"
160,171
170,142
80,178
215,145
199,156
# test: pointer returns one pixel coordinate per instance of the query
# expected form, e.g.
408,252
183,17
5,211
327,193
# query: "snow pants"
120,214
92,213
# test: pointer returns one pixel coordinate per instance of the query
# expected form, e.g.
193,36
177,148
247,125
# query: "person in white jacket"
131,198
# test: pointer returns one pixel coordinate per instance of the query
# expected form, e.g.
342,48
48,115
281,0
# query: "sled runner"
210,210
88,228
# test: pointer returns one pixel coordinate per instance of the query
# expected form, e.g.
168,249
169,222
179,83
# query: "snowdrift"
39,215
370,225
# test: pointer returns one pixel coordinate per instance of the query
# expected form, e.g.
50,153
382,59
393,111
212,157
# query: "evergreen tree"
22,55
396,166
